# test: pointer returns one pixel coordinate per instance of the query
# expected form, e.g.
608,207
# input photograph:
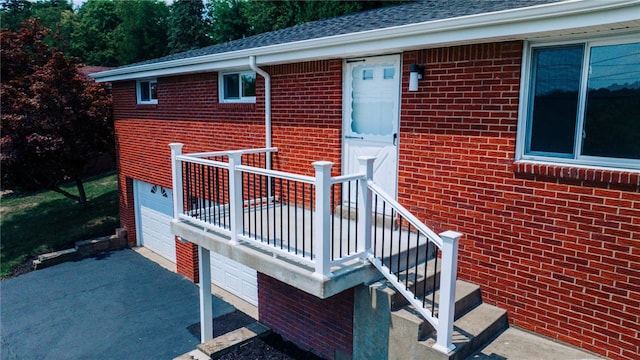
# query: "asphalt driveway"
119,305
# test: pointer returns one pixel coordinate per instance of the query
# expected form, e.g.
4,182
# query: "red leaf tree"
55,121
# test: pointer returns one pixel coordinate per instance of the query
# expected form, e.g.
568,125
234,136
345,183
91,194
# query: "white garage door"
234,277
154,211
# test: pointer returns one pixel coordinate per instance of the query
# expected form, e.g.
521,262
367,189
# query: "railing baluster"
384,212
289,216
246,222
311,207
391,228
333,220
435,269
304,227
295,214
209,202
341,216
266,204
356,217
216,195
375,226
255,209
261,177
415,274
349,217
424,288
187,187
281,217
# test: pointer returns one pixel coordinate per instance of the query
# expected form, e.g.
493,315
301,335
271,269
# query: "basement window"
147,91
237,87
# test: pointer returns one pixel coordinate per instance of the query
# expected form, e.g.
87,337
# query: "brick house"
513,123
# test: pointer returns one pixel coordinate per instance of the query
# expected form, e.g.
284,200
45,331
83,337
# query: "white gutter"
267,104
516,23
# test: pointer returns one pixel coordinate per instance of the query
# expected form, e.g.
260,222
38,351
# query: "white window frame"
524,108
242,99
139,91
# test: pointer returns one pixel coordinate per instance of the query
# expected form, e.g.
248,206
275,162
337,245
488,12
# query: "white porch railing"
318,222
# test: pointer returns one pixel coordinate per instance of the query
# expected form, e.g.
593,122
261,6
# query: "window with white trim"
582,103
147,91
237,87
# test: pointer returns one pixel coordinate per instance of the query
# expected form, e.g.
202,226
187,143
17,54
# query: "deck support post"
236,208
365,212
176,176
448,275
322,219
206,298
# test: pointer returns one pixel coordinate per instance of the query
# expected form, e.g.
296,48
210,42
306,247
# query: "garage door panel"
154,208
234,277
154,211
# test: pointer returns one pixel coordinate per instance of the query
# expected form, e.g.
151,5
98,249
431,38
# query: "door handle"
395,139
353,137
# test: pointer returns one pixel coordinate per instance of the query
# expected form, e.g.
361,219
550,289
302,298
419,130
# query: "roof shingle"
410,12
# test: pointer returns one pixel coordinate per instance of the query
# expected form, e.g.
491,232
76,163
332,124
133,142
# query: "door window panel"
372,101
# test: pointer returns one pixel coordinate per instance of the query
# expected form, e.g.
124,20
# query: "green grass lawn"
37,223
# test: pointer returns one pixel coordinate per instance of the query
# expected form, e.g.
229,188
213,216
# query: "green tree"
187,26
235,19
54,120
93,37
142,34
51,12
228,20
14,12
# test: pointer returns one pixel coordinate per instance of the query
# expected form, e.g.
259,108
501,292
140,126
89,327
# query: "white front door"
371,117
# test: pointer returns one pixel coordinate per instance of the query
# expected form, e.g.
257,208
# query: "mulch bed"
270,347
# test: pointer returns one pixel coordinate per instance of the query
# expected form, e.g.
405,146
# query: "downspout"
267,104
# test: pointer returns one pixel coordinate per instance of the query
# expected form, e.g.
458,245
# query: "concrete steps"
395,328
412,337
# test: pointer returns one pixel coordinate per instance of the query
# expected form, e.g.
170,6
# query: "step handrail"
446,241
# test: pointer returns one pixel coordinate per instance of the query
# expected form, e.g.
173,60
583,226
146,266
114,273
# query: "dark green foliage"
54,121
187,26
14,12
228,20
235,19
93,38
142,32
115,33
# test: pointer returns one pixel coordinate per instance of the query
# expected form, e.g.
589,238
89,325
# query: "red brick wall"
558,247
322,326
305,125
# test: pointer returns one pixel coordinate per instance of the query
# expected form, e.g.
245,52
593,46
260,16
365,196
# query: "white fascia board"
513,23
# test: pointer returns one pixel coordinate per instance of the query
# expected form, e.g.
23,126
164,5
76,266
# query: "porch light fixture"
416,72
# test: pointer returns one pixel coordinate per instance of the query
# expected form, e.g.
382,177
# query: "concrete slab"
229,341
515,343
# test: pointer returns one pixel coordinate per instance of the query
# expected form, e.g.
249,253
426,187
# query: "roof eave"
515,22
